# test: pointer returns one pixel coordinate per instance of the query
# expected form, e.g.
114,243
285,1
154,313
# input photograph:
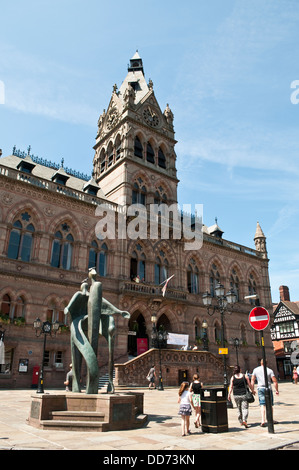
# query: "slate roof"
47,173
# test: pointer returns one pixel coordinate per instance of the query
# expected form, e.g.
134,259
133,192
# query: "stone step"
83,426
95,416
104,380
63,425
141,419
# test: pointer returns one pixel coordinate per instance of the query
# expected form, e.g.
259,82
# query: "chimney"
284,293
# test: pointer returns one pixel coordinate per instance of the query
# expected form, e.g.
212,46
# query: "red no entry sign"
259,318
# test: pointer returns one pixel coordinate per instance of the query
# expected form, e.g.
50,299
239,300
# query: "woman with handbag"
239,385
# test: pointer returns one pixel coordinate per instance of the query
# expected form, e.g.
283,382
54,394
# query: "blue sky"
224,66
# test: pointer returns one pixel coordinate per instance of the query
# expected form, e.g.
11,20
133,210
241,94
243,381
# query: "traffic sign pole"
267,390
259,319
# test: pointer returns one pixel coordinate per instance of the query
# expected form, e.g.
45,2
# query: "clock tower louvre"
134,150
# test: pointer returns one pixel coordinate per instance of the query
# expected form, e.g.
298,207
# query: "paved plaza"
161,433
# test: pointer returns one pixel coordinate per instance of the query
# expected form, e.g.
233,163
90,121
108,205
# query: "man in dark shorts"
151,377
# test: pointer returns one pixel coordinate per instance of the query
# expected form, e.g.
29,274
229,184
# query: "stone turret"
260,241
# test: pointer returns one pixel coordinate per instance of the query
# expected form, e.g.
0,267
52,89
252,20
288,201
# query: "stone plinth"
81,412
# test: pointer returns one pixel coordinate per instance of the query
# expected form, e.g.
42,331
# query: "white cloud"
46,88
285,221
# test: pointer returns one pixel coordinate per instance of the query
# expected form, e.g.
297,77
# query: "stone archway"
163,321
137,330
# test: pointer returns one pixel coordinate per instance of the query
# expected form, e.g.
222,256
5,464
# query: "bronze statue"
91,315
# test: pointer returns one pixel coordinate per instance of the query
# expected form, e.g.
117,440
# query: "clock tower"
135,160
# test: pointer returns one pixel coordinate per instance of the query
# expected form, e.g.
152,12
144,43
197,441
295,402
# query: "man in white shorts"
258,373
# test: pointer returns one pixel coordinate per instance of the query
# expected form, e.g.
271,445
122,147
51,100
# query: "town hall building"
48,241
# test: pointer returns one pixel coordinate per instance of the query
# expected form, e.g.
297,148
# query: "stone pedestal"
81,412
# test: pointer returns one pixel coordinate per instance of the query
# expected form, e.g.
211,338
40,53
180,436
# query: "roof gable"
286,311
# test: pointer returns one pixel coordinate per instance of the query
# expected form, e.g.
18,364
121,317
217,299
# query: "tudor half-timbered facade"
285,334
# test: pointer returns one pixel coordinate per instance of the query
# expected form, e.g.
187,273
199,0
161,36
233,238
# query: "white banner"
175,338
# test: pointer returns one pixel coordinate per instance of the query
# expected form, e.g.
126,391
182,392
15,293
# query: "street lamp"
205,336
159,340
224,302
236,343
46,328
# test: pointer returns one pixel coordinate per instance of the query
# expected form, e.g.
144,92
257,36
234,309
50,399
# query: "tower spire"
136,64
260,240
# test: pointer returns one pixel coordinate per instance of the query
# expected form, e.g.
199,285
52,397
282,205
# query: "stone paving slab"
161,433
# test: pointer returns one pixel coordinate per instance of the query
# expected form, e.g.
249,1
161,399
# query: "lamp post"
236,343
46,328
159,340
205,336
224,302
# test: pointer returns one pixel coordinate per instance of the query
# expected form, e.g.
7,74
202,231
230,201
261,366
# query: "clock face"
150,117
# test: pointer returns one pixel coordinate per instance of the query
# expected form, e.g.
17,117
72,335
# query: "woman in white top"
185,407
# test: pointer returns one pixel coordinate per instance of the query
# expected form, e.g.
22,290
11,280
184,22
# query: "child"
185,407
195,389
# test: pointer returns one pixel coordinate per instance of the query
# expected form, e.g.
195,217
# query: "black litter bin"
213,409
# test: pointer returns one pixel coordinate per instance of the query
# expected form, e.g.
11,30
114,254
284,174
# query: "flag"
165,285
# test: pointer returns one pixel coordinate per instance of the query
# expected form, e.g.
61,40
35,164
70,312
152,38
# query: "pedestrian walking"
195,390
258,374
295,376
238,387
69,379
185,407
151,376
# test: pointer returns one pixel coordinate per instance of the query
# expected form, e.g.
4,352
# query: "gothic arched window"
235,284
243,334
150,154
20,308
251,288
6,305
137,265
110,154
21,237
139,192
103,160
214,279
138,149
98,258
197,329
62,248
161,158
161,270
160,196
193,278
118,147
218,333
54,313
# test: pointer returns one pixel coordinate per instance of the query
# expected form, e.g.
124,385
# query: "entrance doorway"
137,331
